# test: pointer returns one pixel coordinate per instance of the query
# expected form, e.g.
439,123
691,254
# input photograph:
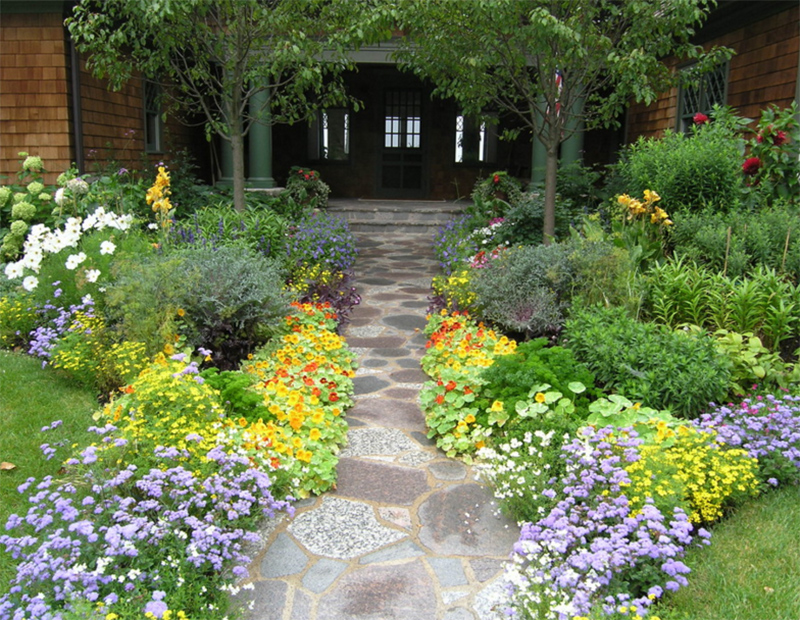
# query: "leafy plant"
524,219
771,169
235,299
510,379
690,172
305,188
736,243
659,367
523,289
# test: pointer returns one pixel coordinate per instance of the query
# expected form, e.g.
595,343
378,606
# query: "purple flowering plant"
768,428
136,540
592,550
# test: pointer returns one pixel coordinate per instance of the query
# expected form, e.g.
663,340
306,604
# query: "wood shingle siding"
34,95
763,71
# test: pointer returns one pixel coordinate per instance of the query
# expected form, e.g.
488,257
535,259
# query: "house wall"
36,113
763,71
34,110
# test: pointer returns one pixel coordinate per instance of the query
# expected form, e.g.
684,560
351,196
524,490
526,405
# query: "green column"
260,148
538,162
225,163
572,147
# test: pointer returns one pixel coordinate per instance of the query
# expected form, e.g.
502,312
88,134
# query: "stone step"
387,216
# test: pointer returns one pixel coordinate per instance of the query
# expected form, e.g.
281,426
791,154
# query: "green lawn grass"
751,570
31,398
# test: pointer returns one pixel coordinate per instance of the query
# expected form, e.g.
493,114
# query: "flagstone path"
408,534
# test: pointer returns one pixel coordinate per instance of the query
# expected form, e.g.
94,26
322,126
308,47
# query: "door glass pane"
402,120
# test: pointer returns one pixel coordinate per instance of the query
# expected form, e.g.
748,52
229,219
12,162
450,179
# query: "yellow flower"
497,406
540,397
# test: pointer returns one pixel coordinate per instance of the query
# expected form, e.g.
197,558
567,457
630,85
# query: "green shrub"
689,172
524,219
769,238
146,297
305,191
661,368
511,377
236,299
602,273
523,289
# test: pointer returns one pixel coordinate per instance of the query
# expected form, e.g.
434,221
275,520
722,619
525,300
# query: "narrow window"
475,141
703,96
153,126
329,136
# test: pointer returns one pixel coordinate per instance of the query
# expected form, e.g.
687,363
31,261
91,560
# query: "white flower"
74,260
32,259
152,226
60,198
92,275
87,299
14,270
30,283
107,247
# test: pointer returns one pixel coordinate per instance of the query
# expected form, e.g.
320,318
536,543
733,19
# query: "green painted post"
260,149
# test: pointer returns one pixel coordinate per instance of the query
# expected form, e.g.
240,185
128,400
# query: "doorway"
402,159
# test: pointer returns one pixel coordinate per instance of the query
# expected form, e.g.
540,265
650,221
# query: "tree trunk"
551,171
237,149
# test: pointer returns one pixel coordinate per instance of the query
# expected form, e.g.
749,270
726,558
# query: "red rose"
496,179
700,119
751,165
779,138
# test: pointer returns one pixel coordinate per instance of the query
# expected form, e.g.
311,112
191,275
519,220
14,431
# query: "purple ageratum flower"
590,538
767,428
157,608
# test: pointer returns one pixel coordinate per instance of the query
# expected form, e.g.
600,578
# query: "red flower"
451,385
759,138
333,397
779,138
751,165
700,119
496,178
440,399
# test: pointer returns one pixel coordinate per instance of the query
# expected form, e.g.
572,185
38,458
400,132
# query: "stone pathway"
408,534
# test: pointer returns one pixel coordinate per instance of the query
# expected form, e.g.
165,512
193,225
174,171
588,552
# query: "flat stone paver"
408,534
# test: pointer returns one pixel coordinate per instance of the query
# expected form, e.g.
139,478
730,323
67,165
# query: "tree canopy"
551,63
216,58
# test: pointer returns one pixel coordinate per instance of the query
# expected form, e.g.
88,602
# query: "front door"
402,161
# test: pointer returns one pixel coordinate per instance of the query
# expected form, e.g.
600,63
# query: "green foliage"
580,185
524,219
647,362
235,299
17,319
753,366
511,377
689,172
680,291
306,189
145,298
602,273
522,289
616,410
737,243
776,146
259,229
239,400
